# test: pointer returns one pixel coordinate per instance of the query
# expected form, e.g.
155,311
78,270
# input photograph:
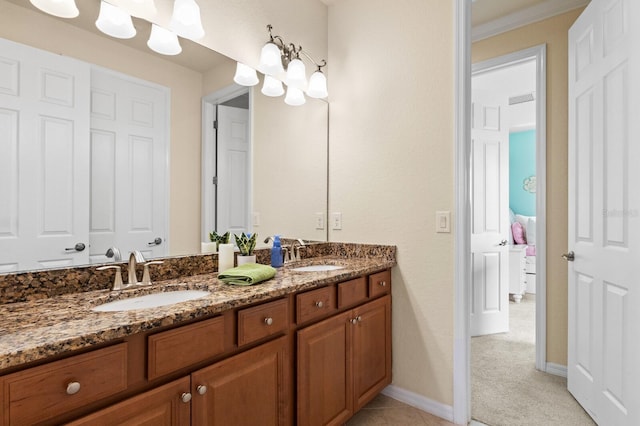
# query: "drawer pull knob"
268,320
358,318
185,397
353,321
319,304
73,388
202,389
383,283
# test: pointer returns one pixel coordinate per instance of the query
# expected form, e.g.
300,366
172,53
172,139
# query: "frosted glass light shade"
296,74
114,21
60,8
317,85
245,75
272,87
185,20
163,41
294,97
270,59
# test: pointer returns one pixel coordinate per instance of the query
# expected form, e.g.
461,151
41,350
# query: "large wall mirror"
286,159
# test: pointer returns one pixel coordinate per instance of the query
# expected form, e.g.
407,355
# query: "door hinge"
215,124
215,180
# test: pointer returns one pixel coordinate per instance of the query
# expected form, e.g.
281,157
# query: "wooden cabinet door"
160,406
324,372
371,350
250,388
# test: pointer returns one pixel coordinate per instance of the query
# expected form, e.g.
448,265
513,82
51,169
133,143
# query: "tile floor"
383,410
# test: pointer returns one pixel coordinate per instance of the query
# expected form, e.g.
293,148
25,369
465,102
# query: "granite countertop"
38,329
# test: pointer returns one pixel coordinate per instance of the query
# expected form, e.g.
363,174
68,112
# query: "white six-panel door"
44,168
604,211
129,147
490,214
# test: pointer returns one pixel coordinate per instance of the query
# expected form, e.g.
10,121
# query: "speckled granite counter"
38,329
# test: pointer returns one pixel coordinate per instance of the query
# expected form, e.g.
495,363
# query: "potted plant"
214,237
246,244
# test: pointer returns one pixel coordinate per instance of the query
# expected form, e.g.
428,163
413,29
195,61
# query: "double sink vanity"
310,346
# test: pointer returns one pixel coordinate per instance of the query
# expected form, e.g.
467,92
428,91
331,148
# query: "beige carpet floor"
506,388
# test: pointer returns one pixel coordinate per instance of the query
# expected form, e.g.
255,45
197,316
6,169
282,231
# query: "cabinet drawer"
262,321
352,292
47,391
315,304
180,347
379,283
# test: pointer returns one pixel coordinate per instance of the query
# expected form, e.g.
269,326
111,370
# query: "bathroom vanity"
303,348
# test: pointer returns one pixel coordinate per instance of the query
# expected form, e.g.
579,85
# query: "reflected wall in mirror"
279,177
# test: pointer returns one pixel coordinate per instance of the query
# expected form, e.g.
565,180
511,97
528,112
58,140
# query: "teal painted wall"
522,164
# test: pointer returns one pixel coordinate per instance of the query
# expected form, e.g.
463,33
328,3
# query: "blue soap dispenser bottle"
276,252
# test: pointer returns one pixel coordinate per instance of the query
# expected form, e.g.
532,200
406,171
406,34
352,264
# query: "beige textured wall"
553,32
391,166
18,24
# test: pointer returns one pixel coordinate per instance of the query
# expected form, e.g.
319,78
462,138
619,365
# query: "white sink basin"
151,300
317,268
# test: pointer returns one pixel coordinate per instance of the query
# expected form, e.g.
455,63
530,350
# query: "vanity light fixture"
114,21
59,8
185,20
163,41
278,57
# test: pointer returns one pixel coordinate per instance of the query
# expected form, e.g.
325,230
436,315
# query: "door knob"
503,243
156,242
77,247
569,257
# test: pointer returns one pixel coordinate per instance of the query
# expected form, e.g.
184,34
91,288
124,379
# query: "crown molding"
523,17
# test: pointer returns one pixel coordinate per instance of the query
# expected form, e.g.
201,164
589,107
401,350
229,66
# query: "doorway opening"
516,87
226,161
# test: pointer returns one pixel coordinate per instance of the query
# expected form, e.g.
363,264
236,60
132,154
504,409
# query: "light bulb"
163,41
60,8
270,59
294,97
317,85
272,87
185,20
114,21
245,75
296,74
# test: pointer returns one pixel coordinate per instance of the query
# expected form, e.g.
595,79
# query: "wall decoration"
529,184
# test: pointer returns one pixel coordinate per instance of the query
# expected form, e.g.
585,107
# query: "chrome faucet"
135,257
295,251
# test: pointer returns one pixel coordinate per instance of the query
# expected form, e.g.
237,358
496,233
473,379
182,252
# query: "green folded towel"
247,274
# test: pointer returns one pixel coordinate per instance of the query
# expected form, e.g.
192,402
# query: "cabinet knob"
353,321
383,283
185,397
202,389
358,318
73,388
268,320
319,304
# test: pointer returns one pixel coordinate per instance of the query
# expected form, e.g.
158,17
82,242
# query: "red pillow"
518,233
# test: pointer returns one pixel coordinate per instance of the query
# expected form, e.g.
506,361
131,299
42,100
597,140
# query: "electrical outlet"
256,219
319,220
336,221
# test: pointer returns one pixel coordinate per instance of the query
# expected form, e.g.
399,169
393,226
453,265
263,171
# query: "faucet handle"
146,276
117,281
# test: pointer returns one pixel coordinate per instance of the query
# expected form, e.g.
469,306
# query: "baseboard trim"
418,401
556,369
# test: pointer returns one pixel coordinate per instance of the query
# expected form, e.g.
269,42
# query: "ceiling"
492,17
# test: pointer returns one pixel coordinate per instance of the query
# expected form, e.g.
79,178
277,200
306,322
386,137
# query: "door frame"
462,238
209,150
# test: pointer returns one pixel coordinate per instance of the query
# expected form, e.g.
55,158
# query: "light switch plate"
256,219
319,220
336,221
443,221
